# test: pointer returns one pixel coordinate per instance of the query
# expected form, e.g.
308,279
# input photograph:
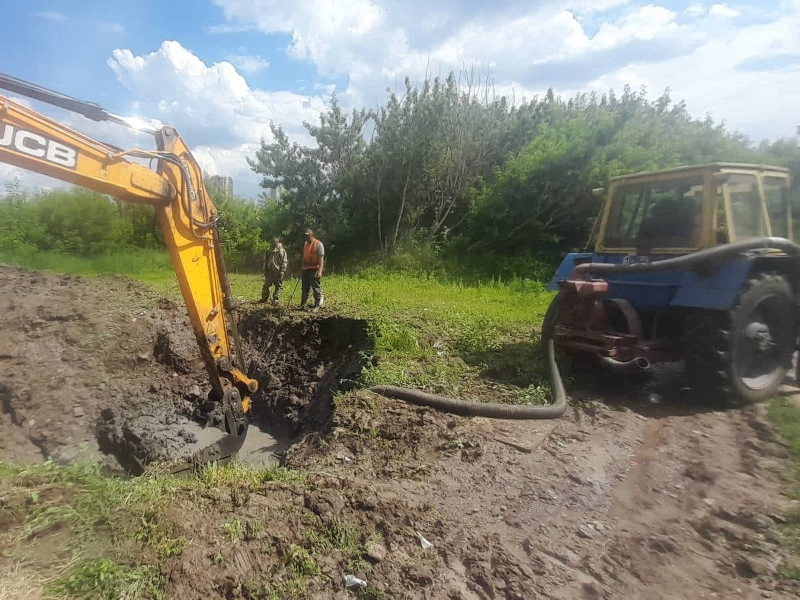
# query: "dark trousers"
311,282
272,278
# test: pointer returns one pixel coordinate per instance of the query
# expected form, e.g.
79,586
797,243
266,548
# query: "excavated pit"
299,363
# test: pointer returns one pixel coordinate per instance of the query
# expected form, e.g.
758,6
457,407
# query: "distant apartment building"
221,185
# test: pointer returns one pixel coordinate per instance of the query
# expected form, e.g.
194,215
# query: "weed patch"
240,477
300,563
785,416
107,579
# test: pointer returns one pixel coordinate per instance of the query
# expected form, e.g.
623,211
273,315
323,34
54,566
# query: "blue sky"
219,70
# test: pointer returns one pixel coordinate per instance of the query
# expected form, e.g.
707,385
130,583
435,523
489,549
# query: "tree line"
446,168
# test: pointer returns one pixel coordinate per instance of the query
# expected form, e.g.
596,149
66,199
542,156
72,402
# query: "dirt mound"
72,347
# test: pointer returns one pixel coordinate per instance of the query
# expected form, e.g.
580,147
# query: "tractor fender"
719,289
565,268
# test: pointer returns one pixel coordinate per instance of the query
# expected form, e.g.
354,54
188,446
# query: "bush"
480,335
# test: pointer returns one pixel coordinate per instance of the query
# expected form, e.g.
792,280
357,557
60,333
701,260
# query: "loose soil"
631,494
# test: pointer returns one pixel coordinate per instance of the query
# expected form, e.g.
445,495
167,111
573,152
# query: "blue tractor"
693,264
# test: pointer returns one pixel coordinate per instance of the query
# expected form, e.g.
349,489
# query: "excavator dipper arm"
186,213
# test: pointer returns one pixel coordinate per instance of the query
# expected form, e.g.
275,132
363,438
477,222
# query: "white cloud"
51,16
759,102
722,11
28,180
216,111
375,43
249,64
530,46
695,10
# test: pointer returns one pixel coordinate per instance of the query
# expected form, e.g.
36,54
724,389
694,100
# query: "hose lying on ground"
559,405
482,409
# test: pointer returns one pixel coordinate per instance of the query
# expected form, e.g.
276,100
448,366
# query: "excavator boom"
186,214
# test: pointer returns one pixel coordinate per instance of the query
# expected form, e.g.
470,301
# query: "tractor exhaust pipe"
637,365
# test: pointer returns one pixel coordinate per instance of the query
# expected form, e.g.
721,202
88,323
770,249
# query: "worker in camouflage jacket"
275,263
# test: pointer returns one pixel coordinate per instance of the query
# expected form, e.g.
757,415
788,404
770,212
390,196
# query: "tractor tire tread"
709,338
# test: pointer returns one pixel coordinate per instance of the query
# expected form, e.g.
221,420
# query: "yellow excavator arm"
186,213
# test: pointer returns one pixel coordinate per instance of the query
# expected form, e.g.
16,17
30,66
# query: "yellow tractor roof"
716,166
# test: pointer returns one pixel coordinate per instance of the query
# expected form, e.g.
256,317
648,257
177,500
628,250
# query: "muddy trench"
300,365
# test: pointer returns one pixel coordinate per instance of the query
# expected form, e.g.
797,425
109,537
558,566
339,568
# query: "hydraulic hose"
689,261
492,410
559,405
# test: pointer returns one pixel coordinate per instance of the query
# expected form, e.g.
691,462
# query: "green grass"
785,416
104,578
93,499
234,475
234,529
150,266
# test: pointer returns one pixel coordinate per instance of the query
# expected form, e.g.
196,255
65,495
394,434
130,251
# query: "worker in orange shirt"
313,266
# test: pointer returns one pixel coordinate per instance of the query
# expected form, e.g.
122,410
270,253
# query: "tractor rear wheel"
747,350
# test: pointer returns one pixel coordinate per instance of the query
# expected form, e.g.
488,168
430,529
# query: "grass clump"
785,417
159,537
234,529
300,563
479,335
92,501
104,578
343,536
235,475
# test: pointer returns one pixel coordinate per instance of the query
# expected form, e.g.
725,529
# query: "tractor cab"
686,209
634,317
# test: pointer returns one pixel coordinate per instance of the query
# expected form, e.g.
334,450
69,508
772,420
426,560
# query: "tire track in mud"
617,500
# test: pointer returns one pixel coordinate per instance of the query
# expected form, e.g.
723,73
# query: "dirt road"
629,495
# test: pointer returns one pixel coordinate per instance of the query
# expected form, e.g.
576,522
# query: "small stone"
31,423
584,531
375,551
77,411
709,501
195,391
598,526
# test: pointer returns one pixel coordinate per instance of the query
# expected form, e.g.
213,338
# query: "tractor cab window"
746,213
776,194
657,214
